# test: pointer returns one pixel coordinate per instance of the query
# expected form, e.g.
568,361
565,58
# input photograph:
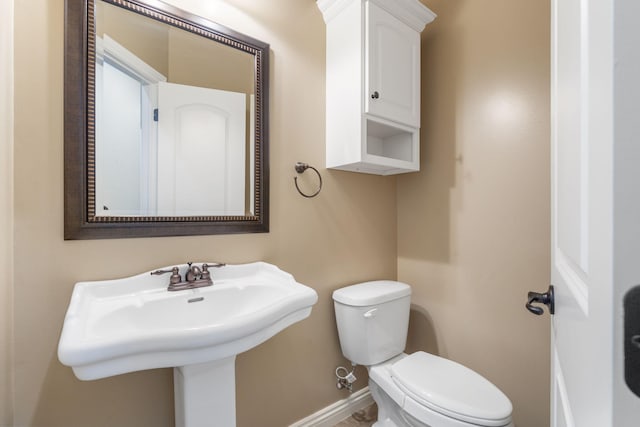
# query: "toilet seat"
450,389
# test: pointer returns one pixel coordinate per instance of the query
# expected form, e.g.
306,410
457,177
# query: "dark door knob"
631,303
546,298
375,95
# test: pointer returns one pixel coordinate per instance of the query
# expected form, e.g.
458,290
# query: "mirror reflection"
174,120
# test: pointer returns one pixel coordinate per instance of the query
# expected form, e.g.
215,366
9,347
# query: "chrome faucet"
195,277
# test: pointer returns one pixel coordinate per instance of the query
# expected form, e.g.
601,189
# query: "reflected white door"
118,154
593,235
201,151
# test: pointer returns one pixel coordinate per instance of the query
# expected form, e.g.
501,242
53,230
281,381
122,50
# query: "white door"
201,151
118,142
595,208
126,92
392,79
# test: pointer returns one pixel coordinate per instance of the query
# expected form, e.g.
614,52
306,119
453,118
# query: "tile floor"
363,418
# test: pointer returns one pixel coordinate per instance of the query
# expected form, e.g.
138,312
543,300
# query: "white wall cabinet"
392,67
373,84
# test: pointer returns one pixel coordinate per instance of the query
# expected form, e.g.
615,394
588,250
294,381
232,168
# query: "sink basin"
117,326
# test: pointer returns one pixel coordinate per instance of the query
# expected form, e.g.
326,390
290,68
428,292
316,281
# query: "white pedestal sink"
117,326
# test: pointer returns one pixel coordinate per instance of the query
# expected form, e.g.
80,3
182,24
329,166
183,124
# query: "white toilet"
419,389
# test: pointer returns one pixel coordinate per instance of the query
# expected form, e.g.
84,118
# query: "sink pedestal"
205,394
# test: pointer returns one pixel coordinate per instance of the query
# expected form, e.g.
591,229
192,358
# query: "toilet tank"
372,320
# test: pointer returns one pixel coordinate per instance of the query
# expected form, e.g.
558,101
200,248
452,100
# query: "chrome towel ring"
300,168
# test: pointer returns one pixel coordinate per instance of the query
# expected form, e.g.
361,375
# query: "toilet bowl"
419,389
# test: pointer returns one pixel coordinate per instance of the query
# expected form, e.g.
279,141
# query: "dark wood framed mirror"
166,123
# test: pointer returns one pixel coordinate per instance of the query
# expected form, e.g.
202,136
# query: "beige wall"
6,211
473,225
142,36
181,56
346,234
195,61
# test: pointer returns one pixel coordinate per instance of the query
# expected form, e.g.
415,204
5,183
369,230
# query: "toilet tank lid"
371,293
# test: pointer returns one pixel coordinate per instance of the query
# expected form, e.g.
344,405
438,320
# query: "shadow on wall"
429,199
422,334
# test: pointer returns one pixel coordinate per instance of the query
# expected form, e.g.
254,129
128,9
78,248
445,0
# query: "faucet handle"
214,265
175,275
206,274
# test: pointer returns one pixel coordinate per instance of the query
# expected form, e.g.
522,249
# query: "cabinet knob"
375,95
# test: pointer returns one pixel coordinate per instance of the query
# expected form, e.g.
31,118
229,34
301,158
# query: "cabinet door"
392,68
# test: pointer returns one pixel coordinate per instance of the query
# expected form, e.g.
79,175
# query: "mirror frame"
80,221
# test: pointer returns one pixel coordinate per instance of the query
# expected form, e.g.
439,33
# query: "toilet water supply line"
346,378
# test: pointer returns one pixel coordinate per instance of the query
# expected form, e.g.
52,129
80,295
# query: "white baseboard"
338,411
